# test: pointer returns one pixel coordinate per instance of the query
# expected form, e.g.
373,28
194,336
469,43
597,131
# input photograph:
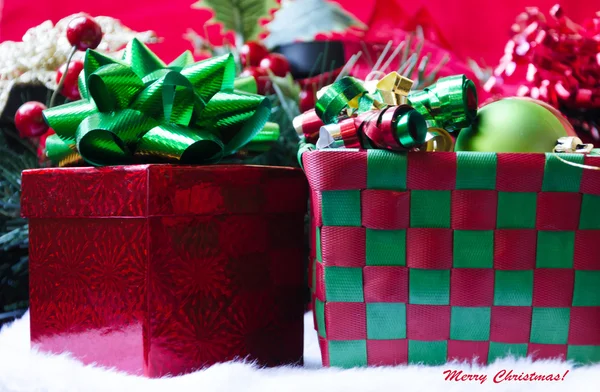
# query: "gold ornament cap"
438,139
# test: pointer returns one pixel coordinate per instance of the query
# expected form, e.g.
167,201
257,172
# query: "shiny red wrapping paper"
163,269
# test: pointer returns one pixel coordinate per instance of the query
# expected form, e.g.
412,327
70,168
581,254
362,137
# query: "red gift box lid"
161,190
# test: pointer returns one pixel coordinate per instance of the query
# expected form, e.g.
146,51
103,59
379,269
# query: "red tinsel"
553,59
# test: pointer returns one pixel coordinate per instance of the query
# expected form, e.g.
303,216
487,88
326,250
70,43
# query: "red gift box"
163,269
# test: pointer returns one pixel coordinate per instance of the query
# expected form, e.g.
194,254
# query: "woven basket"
429,257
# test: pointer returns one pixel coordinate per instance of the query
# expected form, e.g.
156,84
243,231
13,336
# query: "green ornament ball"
511,125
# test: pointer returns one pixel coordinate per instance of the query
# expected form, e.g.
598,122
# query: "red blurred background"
476,28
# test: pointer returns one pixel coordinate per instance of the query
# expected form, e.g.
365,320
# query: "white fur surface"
24,370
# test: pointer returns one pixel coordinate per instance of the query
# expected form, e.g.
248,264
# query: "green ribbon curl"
337,97
140,110
348,96
451,103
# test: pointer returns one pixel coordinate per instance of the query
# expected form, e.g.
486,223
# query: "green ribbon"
350,96
451,103
139,109
337,98
302,148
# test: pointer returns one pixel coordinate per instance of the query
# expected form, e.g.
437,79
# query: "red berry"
308,99
277,63
29,119
84,33
261,76
251,54
70,88
41,151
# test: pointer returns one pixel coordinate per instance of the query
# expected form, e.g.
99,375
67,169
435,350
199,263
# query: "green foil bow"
139,109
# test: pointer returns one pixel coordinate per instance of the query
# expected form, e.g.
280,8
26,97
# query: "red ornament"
277,63
70,88
29,119
84,33
308,99
252,53
261,76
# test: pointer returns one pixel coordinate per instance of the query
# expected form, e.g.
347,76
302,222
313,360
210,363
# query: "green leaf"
240,16
302,20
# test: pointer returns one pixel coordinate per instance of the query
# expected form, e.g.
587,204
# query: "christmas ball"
559,116
29,119
563,120
511,125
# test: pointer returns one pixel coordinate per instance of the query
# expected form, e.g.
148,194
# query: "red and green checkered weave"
429,257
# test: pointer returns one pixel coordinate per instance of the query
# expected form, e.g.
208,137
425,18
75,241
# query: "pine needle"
382,56
283,102
367,54
315,65
433,74
348,66
395,53
330,75
408,66
22,142
409,42
422,67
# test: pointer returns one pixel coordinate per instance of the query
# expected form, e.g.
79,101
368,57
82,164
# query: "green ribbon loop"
450,104
65,119
113,86
139,110
104,138
141,59
246,84
57,150
173,142
264,139
337,98
302,148
411,129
